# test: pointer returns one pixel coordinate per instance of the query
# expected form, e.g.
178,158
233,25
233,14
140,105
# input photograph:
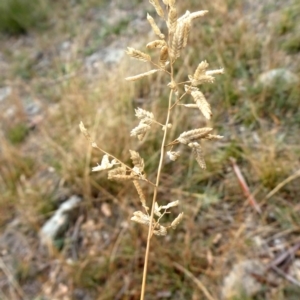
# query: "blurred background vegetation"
62,62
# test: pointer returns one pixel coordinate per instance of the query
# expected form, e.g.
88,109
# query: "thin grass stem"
162,153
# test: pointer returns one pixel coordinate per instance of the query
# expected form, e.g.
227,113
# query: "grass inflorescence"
182,94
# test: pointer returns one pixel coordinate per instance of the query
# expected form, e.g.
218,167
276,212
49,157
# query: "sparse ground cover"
70,68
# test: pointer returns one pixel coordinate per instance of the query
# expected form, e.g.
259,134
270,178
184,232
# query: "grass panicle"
170,50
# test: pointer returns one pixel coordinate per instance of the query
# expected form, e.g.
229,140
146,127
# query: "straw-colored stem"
162,153
178,100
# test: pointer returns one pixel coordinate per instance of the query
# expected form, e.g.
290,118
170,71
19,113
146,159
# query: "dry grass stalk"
178,33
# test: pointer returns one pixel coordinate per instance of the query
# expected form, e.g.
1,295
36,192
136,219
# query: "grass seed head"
202,104
177,221
142,75
156,44
157,7
138,54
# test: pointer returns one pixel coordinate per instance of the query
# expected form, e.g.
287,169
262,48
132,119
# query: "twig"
199,284
244,186
286,276
116,245
75,237
283,256
282,184
12,279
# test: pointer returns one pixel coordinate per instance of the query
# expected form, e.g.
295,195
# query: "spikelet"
155,27
202,79
187,29
119,174
213,137
156,44
176,222
171,204
118,171
173,155
165,2
144,115
177,41
182,32
133,78
140,130
137,161
189,105
161,231
138,54
121,177
172,19
201,69
197,152
214,72
157,209
141,218
140,193
198,14
105,164
202,104
85,132
157,7
195,134
163,56
172,2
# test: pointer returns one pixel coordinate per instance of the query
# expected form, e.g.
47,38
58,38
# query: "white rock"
57,223
5,92
284,77
108,56
240,281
